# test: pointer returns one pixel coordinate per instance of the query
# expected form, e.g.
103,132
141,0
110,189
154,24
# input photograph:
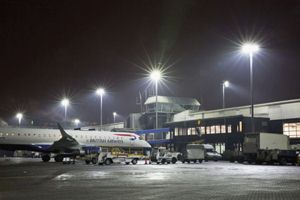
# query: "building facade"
225,128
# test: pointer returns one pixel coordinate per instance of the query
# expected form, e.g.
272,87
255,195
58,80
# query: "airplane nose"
147,145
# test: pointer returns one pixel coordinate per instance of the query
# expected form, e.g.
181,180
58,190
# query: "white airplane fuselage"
42,139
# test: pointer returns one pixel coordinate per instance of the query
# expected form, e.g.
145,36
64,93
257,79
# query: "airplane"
63,144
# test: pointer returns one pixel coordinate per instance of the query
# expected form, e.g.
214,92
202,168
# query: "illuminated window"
168,135
208,130
241,126
220,147
191,131
229,129
223,129
213,129
218,129
292,130
184,131
176,131
202,129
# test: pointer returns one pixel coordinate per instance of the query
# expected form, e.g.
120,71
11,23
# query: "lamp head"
250,48
226,83
155,75
100,91
19,115
65,102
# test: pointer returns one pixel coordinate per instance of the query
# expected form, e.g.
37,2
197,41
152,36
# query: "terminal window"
292,130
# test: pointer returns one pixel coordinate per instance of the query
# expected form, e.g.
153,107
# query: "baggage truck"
108,156
267,147
116,155
193,153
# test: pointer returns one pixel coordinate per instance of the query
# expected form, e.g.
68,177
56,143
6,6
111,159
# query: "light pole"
65,102
250,49
155,76
225,84
19,116
114,115
100,92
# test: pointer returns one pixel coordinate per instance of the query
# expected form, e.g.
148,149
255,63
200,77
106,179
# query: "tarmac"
24,178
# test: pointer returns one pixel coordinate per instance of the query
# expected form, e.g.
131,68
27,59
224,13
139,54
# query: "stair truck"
193,153
267,148
164,156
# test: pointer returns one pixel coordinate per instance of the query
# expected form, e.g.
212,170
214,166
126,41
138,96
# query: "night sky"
49,49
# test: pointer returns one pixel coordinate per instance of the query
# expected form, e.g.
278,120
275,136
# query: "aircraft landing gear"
58,158
45,158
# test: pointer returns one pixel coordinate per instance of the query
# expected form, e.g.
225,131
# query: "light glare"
100,91
19,116
76,121
226,83
250,48
155,75
65,102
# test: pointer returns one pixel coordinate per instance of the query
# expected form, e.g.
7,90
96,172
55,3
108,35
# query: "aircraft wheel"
45,158
58,158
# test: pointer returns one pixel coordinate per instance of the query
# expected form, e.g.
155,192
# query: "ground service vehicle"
162,155
193,153
267,147
211,153
115,155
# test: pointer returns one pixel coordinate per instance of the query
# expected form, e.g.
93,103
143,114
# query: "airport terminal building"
225,128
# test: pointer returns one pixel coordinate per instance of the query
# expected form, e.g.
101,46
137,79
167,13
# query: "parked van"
211,153
193,153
